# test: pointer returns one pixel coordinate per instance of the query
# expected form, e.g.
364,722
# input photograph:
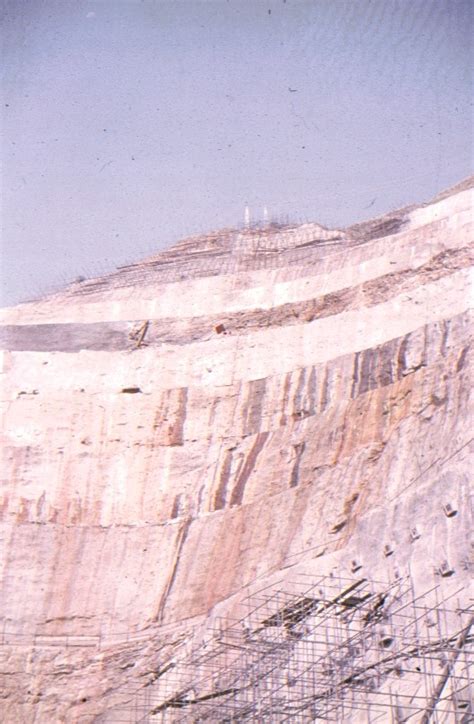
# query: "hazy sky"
130,123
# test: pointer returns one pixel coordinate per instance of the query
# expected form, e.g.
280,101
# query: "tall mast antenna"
247,216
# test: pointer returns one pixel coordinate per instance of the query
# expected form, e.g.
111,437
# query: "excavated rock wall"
169,443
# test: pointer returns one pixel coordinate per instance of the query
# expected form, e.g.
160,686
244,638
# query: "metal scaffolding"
227,252
336,650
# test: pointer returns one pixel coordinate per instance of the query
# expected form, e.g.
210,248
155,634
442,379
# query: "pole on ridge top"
247,216
265,215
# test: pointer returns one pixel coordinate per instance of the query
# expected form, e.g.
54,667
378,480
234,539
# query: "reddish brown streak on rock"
239,489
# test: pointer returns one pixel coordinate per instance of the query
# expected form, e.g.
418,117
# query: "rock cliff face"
245,408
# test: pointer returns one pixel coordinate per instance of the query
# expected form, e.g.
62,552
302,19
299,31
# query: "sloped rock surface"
245,406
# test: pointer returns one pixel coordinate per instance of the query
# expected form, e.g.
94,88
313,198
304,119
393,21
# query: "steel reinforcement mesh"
337,650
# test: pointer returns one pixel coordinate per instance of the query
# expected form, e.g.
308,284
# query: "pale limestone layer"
244,458
223,360
445,225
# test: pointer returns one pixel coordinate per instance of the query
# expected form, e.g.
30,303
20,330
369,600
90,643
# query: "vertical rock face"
244,407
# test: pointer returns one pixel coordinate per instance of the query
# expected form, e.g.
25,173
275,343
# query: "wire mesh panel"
229,251
335,649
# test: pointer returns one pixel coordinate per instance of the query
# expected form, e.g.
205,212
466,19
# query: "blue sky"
128,124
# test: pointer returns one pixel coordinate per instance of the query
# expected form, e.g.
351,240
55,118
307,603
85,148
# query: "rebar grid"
341,650
240,252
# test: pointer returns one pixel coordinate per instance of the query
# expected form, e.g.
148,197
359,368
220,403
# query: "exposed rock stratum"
236,483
